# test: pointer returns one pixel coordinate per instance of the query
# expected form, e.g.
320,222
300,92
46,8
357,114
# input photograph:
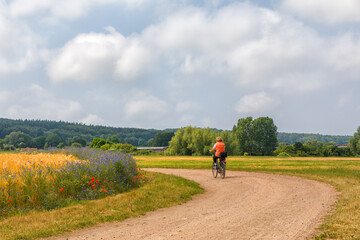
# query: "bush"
8,147
76,145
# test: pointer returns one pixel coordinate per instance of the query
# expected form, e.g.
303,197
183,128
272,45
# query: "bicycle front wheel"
214,170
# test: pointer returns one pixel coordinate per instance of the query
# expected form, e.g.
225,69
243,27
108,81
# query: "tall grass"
42,184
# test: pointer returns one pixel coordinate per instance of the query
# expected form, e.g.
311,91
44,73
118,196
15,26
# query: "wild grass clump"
92,175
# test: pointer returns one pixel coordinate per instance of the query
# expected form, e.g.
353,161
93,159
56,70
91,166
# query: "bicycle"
220,166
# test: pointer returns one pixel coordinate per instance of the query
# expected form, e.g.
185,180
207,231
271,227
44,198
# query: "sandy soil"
241,206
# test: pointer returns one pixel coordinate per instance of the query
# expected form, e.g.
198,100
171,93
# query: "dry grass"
14,162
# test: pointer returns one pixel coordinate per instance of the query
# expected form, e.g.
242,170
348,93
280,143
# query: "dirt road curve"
241,206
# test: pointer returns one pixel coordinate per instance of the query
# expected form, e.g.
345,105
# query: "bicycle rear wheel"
222,169
214,170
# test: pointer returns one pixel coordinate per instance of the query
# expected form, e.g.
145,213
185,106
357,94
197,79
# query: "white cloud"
344,100
64,110
68,9
344,54
32,101
18,45
257,103
251,46
187,106
328,11
4,96
98,56
143,106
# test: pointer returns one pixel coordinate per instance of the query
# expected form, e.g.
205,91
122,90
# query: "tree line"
38,129
292,138
259,137
248,137
355,142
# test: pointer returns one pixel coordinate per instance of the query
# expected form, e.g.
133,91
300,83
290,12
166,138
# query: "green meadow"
167,190
342,173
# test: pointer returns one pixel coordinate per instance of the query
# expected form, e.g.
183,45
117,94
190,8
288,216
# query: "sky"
168,64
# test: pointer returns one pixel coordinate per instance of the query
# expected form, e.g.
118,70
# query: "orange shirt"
219,147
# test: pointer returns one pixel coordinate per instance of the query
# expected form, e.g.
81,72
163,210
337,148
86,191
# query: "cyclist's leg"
215,160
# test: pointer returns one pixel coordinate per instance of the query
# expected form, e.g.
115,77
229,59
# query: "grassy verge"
342,173
162,191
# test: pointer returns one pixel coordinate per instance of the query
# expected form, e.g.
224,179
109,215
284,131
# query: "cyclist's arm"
213,149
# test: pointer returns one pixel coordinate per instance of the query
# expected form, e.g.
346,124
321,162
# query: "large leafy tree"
53,140
18,139
255,136
355,142
243,134
263,136
177,145
39,142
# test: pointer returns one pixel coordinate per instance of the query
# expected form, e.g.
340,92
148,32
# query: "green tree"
77,139
39,142
314,147
177,145
18,138
355,142
255,137
124,147
243,135
161,139
53,140
2,142
299,148
286,148
263,134
97,142
114,139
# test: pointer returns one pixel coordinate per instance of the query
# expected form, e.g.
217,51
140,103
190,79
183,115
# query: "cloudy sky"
168,64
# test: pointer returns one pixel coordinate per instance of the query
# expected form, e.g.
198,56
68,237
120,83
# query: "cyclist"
218,148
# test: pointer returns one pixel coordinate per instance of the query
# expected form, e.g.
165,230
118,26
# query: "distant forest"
305,137
67,130
134,136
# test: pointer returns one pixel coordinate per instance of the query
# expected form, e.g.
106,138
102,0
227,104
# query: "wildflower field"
59,178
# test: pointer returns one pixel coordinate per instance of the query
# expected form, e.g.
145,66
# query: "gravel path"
242,206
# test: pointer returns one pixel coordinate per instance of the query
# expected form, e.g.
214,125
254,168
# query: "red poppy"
95,190
97,181
93,178
104,180
134,179
90,183
61,189
10,201
105,190
93,185
102,186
